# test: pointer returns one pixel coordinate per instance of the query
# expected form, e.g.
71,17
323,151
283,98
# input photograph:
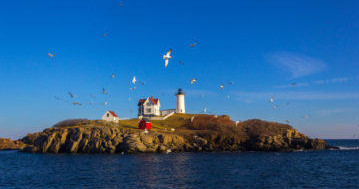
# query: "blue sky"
262,47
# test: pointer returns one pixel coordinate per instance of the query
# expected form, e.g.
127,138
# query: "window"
108,115
148,110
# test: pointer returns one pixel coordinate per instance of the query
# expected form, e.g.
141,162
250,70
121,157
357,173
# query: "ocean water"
302,169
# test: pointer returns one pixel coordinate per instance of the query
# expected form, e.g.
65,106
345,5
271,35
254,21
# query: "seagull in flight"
51,55
271,99
76,103
113,75
167,57
134,80
193,44
221,87
72,95
104,91
193,80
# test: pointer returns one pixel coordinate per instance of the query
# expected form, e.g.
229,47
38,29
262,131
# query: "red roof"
154,100
113,113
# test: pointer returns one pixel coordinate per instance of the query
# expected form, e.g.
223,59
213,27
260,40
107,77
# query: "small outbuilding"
144,124
110,116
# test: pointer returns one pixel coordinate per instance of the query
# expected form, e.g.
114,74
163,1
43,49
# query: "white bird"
51,55
113,75
271,99
167,56
77,103
204,109
105,103
221,86
134,80
193,80
104,91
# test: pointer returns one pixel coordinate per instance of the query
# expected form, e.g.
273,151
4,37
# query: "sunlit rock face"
196,133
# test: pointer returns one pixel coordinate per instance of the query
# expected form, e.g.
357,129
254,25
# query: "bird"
228,96
271,99
71,95
104,91
142,83
113,75
230,82
181,62
193,80
76,103
292,84
275,106
167,56
51,55
204,109
134,80
133,88
193,44
221,87
105,103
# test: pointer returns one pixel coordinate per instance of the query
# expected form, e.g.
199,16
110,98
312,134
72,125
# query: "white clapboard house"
110,116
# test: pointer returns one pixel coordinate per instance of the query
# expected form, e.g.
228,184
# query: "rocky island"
179,133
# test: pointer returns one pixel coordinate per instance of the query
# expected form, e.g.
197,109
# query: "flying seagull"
133,88
221,87
271,99
105,103
76,103
113,75
193,80
193,44
292,84
134,80
167,56
72,95
104,91
51,55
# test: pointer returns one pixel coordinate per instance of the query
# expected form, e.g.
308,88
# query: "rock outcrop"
8,144
205,133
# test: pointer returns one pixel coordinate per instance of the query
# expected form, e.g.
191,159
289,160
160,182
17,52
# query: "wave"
348,148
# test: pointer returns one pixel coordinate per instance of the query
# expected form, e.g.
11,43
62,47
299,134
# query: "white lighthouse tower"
180,106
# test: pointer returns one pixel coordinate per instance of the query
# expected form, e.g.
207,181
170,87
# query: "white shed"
110,116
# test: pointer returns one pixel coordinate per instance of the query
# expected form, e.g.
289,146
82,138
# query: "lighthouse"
180,107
